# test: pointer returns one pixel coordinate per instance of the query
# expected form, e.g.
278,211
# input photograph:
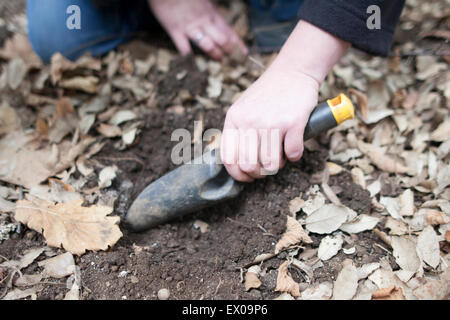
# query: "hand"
266,123
199,21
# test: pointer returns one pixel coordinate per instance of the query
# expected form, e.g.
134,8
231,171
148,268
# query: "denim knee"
51,28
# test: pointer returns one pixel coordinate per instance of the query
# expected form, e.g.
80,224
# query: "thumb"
293,144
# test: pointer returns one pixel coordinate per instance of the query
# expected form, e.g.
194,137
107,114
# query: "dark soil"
177,256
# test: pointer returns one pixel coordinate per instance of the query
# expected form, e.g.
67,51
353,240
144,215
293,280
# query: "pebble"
163,294
134,279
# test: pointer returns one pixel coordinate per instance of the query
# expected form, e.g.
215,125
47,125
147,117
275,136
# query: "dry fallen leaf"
251,278
435,217
106,176
28,257
397,228
17,294
362,223
334,168
58,65
382,161
391,293
313,203
19,46
294,234
428,247
109,131
329,218
346,282
70,225
17,148
295,205
329,247
60,266
321,292
432,290
404,252
406,202
9,120
87,84
285,283
122,116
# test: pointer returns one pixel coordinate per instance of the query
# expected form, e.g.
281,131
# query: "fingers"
229,152
204,42
232,36
271,150
181,42
249,153
293,144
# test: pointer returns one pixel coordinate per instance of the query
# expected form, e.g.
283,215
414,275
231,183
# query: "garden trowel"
199,184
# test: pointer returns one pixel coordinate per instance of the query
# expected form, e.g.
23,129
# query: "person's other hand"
266,124
198,21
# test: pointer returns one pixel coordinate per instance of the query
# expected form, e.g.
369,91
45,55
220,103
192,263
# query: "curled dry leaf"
329,247
106,176
406,202
58,65
285,283
313,203
122,116
295,205
293,235
435,217
87,84
334,168
251,278
391,293
70,225
109,131
362,102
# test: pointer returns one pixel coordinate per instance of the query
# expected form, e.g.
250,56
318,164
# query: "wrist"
311,51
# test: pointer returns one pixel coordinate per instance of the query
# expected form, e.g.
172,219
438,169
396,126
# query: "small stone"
134,279
163,294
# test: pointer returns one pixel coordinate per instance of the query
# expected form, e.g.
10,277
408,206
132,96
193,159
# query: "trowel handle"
328,115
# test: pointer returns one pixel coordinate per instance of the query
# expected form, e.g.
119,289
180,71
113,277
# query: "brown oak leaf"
70,225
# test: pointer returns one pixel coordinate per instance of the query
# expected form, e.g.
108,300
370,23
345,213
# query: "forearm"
311,51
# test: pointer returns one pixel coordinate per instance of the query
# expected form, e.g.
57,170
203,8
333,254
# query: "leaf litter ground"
365,165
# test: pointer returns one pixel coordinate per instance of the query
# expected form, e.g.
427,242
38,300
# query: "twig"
381,247
218,286
257,62
383,236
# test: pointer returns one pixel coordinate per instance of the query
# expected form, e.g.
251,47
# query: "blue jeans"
103,30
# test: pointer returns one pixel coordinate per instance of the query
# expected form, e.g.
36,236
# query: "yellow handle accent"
342,108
